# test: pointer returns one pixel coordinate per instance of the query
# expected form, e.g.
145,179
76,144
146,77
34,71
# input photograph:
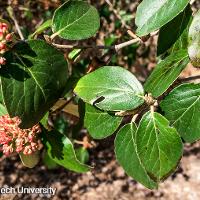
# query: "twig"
132,34
128,43
192,78
12,16
115,47
60,46
192,1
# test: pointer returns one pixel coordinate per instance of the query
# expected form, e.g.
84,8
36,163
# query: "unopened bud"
2,46
2,61
1,36
4,25
2,51
8,37
4,30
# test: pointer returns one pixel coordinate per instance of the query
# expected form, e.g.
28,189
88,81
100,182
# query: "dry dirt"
107,181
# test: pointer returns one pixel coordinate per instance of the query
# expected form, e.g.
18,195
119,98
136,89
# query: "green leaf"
75,20
31,160
111,89
182,109
82,155
41,28
44,120
166,72
174,32
74,53
51,164
127,156
152,15
194,41
61,150
3,110
100,124
158,145
33,78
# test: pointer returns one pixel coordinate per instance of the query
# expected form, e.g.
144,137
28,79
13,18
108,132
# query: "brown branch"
188,79
115,47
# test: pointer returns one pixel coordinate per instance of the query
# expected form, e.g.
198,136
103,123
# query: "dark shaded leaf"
32,80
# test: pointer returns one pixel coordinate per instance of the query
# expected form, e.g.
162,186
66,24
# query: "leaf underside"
194,41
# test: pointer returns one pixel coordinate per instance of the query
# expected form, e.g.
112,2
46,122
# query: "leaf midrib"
33,76
116,89
139,159
157,141
62,29
187,109
145,21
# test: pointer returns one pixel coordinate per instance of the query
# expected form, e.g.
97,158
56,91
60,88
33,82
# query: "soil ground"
107,181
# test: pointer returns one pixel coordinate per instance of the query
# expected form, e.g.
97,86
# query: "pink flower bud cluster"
5,38
14,139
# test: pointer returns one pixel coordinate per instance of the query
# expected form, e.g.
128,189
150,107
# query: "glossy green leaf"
44,120
111,89
128,157
194,41
41,28
3,110
152,15
175,33
32,80
159,146
61,150
100,124
166,72
75,20
182,109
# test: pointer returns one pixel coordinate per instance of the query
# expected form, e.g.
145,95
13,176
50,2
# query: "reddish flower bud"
2,61
8,37
4,25
4,30
1,36
13,136
2,51
2,46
